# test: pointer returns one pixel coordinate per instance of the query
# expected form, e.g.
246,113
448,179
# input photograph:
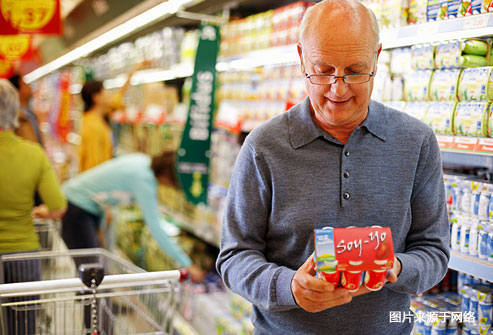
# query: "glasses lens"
322,80
357,78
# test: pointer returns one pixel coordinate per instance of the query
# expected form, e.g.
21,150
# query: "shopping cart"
128,300
48,232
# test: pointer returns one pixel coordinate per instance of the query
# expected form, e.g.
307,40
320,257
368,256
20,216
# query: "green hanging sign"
193,154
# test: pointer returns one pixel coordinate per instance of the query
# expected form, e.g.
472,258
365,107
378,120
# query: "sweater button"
346,153
346,195
346,174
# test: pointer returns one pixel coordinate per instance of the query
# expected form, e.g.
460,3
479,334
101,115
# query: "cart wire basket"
48,232
44,294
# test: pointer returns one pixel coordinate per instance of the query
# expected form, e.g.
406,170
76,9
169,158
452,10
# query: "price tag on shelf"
476,21
465,143
445,142
485,145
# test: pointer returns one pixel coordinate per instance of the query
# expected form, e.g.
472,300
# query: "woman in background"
24,169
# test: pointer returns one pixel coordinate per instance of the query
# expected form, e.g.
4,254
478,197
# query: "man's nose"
339,87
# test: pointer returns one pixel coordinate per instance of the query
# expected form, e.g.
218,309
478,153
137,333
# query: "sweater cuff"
406,281
284,295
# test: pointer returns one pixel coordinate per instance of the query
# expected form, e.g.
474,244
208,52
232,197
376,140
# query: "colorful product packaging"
448,54
470,118
453,8
489,123
400,60
444,83
443,11
343,254
417,85
476,84
471,7
440,116
417,11
417,109
423,56
432,10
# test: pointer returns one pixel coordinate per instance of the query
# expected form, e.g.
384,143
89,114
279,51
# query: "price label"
30,16
485,145
476,21
445,142
14,46
465,143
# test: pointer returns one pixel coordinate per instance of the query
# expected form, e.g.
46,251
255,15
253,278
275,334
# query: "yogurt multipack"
349,257
476,84
471,118
440,116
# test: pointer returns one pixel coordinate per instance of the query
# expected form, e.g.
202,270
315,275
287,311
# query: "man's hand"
314,294
395,271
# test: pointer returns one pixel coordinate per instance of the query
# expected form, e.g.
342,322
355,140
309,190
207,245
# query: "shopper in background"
28,121
24,169
336,159
96,144
121,181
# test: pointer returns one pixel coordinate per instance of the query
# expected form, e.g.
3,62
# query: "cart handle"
130,279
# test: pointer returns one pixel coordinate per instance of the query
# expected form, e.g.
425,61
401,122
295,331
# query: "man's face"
339,104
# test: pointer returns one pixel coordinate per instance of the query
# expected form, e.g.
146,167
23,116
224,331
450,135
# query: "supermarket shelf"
466,145
204,231
430,32
471,265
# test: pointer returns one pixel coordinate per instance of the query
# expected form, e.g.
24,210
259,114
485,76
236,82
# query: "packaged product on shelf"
443,86
382,87
483,240
471,7
476,84
432,10
397,88
422,56
400,61
440,116
470,119
474,47
417,11
448,53
453,8
443,11
472,61
489,121
397,105
417,84
465,230
417,109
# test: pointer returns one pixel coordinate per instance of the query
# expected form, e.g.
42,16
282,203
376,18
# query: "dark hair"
164,166
90,88
15,80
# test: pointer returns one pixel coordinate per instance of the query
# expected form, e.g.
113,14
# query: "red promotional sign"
6,69
30,17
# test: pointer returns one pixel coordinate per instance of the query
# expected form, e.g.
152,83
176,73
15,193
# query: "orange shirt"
95,146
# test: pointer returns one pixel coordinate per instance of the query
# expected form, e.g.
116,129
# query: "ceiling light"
154,14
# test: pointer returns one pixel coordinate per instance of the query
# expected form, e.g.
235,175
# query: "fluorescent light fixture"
154,14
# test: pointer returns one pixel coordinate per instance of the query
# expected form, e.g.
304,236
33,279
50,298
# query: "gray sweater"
291,177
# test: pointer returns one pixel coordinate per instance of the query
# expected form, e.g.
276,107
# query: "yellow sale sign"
14,46
30,16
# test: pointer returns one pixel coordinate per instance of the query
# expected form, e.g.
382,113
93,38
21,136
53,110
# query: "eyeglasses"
329,79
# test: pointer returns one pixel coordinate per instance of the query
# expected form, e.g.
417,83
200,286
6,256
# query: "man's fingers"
309,265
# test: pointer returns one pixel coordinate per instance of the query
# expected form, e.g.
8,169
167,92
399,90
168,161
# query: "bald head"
329,14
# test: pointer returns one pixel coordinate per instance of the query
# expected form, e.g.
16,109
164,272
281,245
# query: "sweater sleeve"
424,262
242,263
146,195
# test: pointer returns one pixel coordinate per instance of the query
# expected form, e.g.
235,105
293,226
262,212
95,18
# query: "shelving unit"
204,231
471,265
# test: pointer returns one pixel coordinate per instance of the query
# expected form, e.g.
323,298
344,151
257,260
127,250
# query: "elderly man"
337,159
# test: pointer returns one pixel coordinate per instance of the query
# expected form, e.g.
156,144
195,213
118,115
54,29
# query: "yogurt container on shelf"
470,118
476,84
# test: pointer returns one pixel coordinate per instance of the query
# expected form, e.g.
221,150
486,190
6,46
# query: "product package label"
354,249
